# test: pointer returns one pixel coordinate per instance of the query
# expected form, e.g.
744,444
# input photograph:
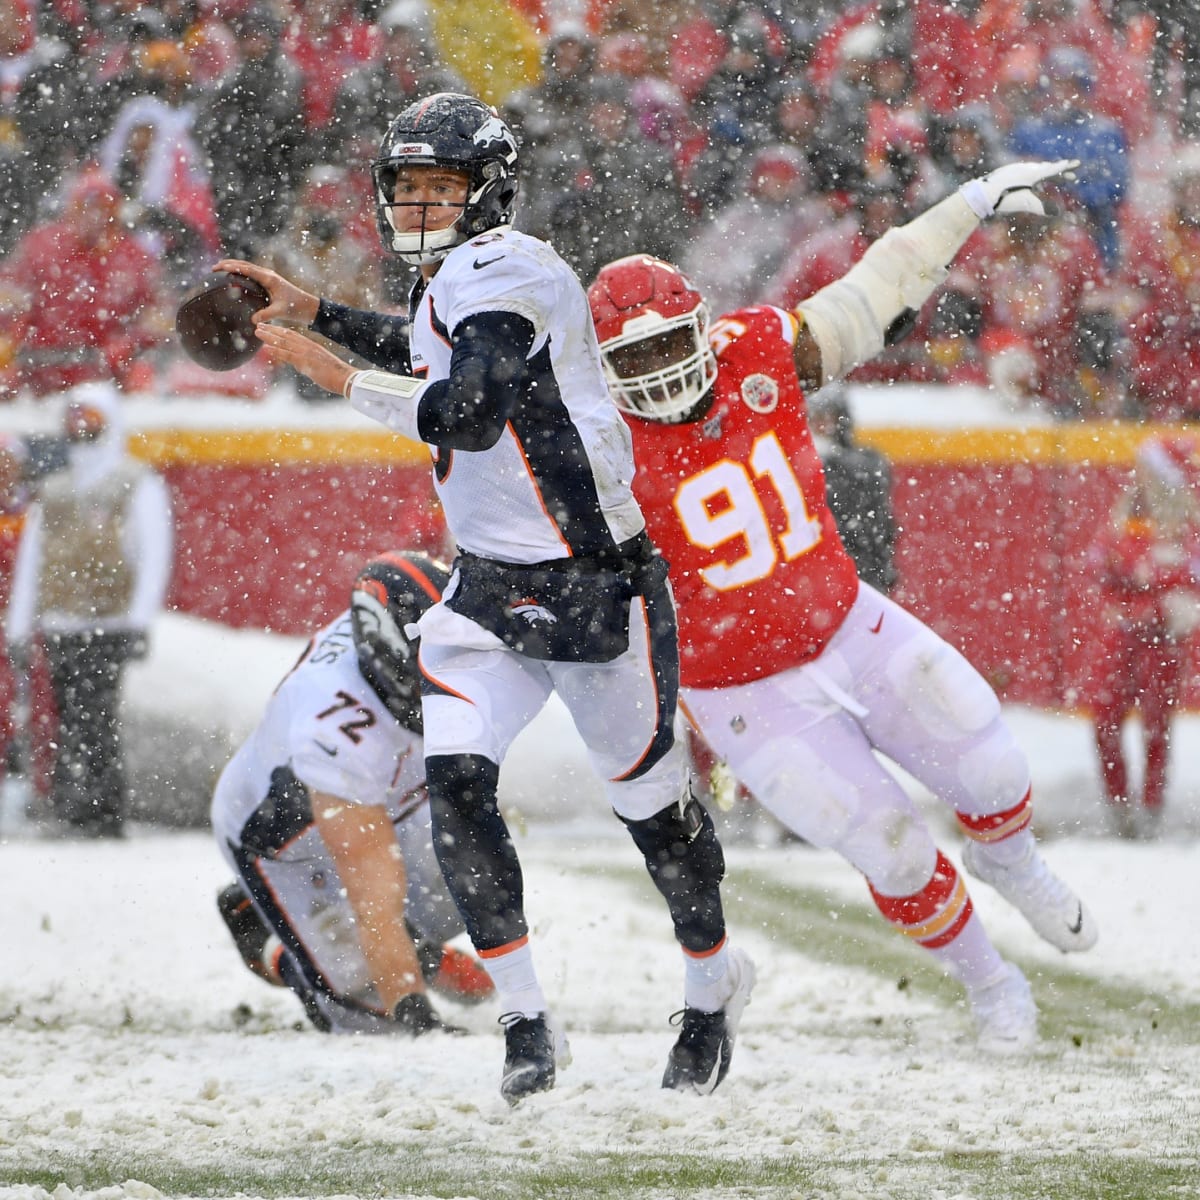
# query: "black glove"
415,1016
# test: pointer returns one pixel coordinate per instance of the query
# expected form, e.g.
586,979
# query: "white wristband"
974,193
391,400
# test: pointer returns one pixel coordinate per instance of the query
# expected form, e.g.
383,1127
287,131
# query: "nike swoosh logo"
487,262
878,624
1078,926
333,754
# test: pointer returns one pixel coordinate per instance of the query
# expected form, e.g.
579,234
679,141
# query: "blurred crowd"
763,144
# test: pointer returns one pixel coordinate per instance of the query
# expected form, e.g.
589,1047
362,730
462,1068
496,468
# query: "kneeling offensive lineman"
324,816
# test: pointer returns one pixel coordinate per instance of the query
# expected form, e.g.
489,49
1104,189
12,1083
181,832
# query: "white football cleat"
1051,908
1005,1013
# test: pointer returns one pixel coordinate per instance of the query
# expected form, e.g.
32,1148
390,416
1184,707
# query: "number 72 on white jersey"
722,502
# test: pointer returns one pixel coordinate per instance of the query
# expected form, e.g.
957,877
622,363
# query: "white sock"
970,957
1011,850
705,982
517,986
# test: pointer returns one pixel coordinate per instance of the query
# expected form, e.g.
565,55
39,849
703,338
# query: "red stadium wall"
272,525
993,531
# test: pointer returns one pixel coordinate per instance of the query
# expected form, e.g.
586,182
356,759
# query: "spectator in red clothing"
1122,89
1145,561
829,254
1162,280
730,257
80,296
1036,277
953,62
327,40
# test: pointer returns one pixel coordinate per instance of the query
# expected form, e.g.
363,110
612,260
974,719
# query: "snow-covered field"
137,1056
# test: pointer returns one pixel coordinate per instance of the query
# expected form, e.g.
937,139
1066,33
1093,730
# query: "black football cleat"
700,1058
529,1065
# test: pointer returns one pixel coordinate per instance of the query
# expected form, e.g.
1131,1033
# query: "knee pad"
686,863
894,849
817,804
945,694
994,771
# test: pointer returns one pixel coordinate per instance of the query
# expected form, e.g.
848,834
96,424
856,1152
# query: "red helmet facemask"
653,330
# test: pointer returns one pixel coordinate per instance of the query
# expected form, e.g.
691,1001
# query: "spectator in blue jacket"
1065,127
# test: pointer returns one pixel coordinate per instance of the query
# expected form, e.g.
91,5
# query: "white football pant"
803,741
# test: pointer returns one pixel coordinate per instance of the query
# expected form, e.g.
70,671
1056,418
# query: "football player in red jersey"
793,669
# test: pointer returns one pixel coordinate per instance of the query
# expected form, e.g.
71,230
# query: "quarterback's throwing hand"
1009,189
288,302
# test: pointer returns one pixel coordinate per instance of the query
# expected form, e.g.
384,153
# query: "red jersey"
1136,568
736,503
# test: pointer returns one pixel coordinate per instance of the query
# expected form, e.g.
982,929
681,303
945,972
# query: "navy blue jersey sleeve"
490,377
380,338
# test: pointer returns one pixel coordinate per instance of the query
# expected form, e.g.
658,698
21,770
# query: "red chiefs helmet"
653,330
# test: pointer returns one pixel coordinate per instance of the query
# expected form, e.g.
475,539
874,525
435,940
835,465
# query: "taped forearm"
392,400
849,319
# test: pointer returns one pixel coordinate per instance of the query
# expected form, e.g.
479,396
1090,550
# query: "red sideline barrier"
273,524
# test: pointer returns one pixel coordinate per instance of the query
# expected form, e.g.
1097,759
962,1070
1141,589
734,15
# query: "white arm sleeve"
151,549
23,595
391,400
850,317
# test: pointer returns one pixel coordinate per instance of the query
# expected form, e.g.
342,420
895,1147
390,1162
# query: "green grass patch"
1075,1008
379,1170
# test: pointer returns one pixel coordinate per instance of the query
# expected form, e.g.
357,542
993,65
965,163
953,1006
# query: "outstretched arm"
489,377
853,319
363,846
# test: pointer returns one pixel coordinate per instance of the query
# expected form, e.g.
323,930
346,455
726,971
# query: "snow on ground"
137,1057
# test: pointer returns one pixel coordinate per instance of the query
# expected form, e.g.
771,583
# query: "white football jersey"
526,499
326,724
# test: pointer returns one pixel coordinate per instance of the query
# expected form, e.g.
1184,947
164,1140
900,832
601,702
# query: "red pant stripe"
936,914
995,827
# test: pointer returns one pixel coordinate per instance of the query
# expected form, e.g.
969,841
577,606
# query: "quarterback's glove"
1009,189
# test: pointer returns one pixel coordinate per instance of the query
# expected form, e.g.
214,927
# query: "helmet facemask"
660,368
423,245
454,133
389,596
385,657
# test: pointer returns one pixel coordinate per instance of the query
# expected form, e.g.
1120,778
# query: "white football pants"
802,741
480,694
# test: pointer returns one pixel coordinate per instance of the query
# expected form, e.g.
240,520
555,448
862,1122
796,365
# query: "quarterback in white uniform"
339,747
556,587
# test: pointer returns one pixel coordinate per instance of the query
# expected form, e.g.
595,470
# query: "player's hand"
288,302
298,350
1009,189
